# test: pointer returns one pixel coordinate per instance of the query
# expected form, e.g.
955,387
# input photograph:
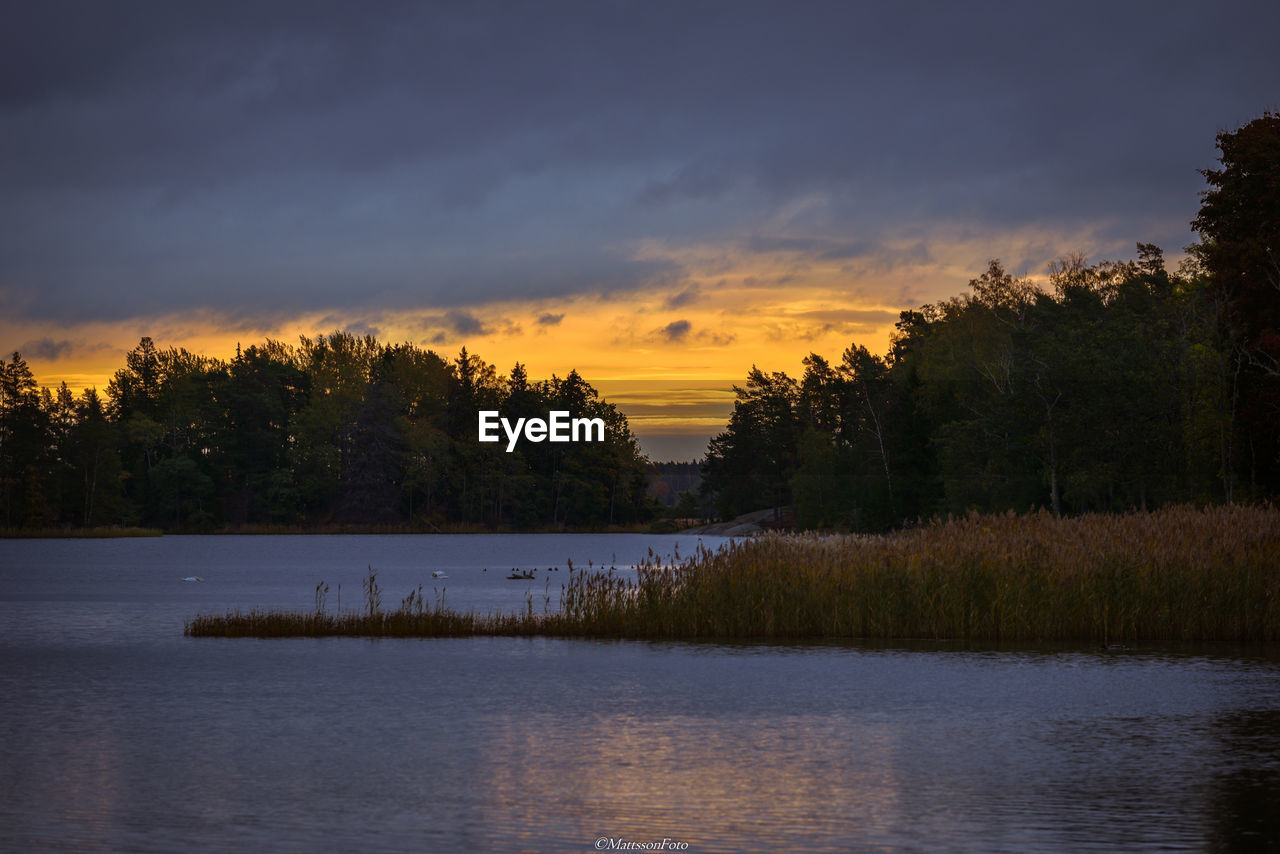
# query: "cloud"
458,324
674,332
549,319
452,325
360,329
783,331
704,180
685,297
681,332
717,339
465,323
847,315
781,243
163,159
46,349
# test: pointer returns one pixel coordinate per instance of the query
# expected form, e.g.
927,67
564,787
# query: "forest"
1119,386
339,430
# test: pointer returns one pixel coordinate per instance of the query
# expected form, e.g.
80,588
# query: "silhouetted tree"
1239,224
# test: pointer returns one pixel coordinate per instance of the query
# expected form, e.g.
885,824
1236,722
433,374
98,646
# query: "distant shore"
103,532
108,531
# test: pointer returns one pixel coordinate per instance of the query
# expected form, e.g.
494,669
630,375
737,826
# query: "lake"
118,733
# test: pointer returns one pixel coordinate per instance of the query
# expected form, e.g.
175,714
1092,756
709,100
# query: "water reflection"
1245,792
712,783
116,732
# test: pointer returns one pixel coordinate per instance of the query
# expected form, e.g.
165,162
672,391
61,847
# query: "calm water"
117,733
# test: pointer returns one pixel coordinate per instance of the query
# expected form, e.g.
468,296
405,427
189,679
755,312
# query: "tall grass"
1178,574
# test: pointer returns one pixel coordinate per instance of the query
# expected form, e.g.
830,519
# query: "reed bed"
1177,574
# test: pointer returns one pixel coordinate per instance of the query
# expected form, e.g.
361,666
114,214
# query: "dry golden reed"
1177,574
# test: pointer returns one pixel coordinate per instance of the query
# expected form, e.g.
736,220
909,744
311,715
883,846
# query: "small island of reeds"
1177,574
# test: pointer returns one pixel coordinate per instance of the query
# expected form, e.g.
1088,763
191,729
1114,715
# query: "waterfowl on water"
438,573
193,578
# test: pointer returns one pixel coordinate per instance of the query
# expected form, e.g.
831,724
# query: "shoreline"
292,530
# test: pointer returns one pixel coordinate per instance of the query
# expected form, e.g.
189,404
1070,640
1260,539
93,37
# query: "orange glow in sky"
667,356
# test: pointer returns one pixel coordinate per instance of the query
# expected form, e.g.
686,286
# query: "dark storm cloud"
550,319
268,158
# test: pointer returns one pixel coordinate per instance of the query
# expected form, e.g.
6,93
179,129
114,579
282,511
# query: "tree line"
339,429
1121,385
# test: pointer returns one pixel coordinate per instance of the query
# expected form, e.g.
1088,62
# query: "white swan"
438,573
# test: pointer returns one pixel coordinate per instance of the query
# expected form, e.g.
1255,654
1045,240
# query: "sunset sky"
658,194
